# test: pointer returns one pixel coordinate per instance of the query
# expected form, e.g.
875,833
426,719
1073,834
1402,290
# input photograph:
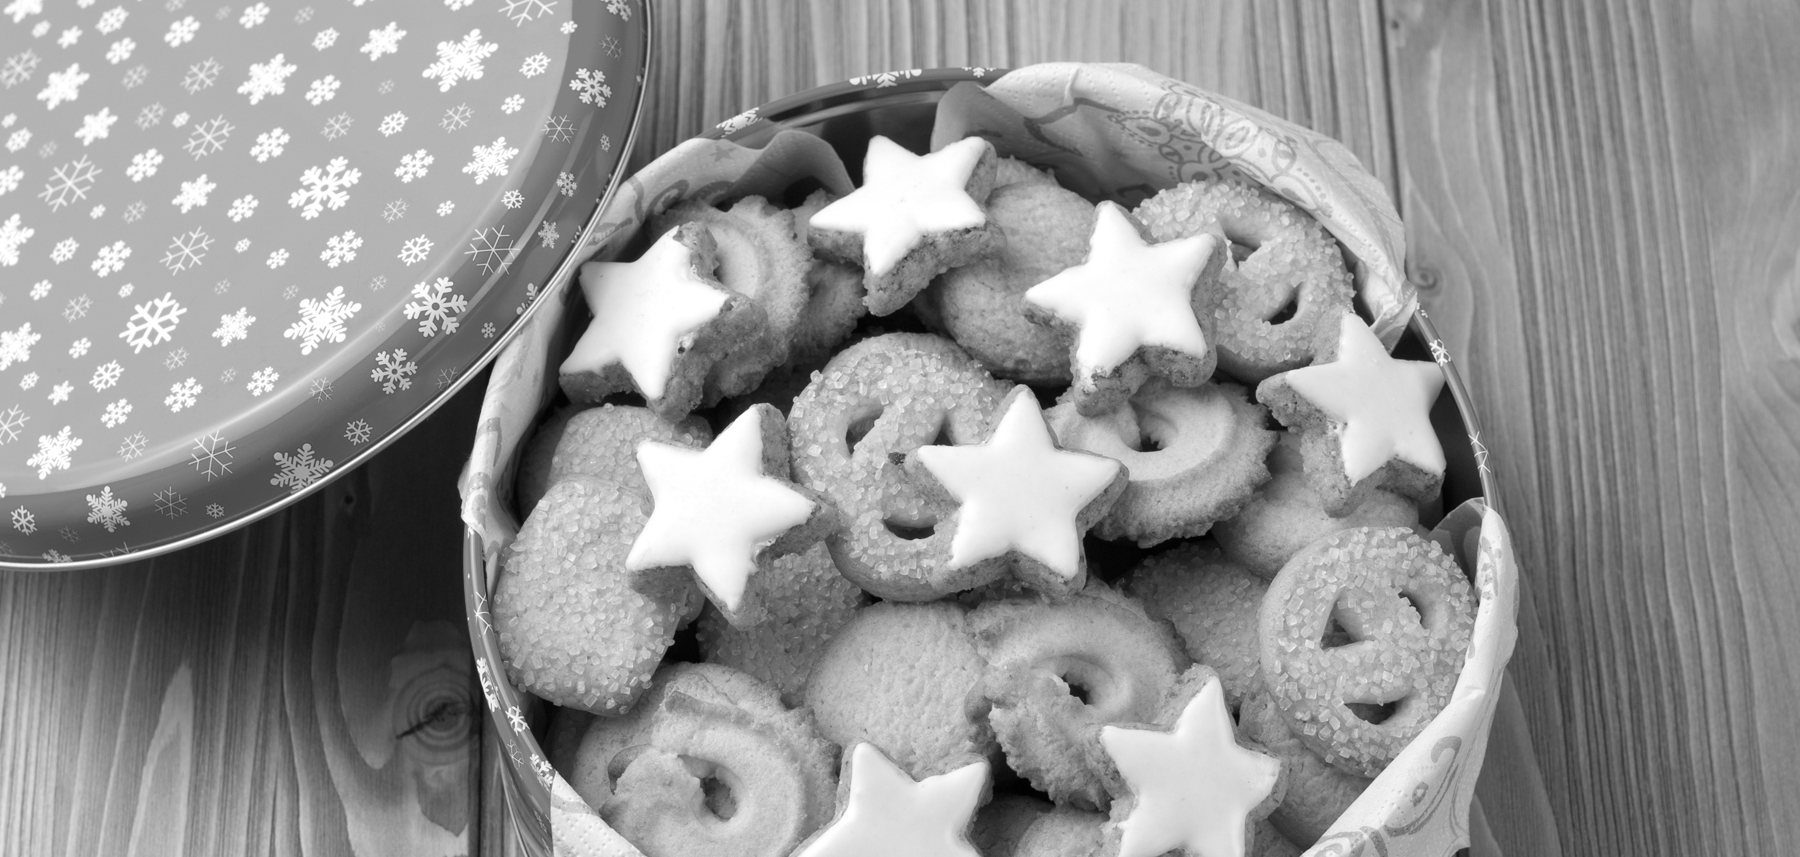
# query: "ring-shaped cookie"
851,429
1408,611
1293,265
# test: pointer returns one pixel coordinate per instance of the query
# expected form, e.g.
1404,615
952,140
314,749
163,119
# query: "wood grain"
301,686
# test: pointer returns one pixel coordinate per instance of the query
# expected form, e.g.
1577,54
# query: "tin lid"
244,246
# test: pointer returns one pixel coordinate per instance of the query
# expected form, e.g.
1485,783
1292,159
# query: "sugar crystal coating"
807,602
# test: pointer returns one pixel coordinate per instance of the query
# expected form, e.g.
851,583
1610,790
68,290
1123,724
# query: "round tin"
244,247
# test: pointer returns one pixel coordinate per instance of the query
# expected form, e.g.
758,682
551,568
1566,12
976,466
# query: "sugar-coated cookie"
1213,607
807,601
600,442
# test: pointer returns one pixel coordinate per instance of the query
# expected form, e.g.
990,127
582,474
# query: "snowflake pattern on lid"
200,215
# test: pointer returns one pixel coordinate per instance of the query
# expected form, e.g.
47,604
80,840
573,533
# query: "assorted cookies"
960,514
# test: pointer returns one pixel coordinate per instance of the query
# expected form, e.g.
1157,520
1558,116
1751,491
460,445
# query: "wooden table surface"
1602,201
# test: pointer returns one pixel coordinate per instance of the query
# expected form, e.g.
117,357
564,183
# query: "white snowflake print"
738,122
488,330
144,165
1439,353
15,345
337,126
565,182
394,210
326,38
134,212
179,119
357,432
535,65
151,115
136,75
456,117
242,245
183,394
383,41
64,250
322,320
377,283
181,32
215,510
436,306
60,392
77,308
301,469
22,9
29,381
393,371
278,258
459,61
153,323
69,183
120,50
170,502
176,359
254,15
611,46
386,86
97,212
79,348
414,166
116,413
24,521
111,258
12,235
590,86
235,326
340,249
262,381
10,178
241,209
228,375
95,126
322,90
289,292
133,446
452,5
392,124
531,293
194,193
521,11
415,250
12,424
211,455
303,15
490,250
54,452
18,68
886,78
325,189
201,75
187,250
269,144
320,391
490,160
512,104
566,28
63,86
619,8
106,510
18,139
69,37
547,234
125,290
40,289
209,137
106,375
267,78
444,208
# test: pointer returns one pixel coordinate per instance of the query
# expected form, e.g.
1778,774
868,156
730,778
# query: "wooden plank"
301,686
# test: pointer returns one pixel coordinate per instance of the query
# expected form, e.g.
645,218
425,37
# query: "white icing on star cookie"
1019,492
1193,788
905,197
885,813
1383,403
643,311
715,509
1128,294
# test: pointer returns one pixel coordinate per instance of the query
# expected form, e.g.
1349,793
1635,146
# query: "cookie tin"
245,245
1417,806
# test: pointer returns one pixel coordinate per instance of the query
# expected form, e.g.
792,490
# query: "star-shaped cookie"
725,511
659,324
1022,499
914,217
1364,418
885,813
1194,789
1135,309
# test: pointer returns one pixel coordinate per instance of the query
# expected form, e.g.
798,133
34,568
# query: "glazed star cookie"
1190,787
660,323
914,217
882,812
1135,310
1364,418
725,512
1023,501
